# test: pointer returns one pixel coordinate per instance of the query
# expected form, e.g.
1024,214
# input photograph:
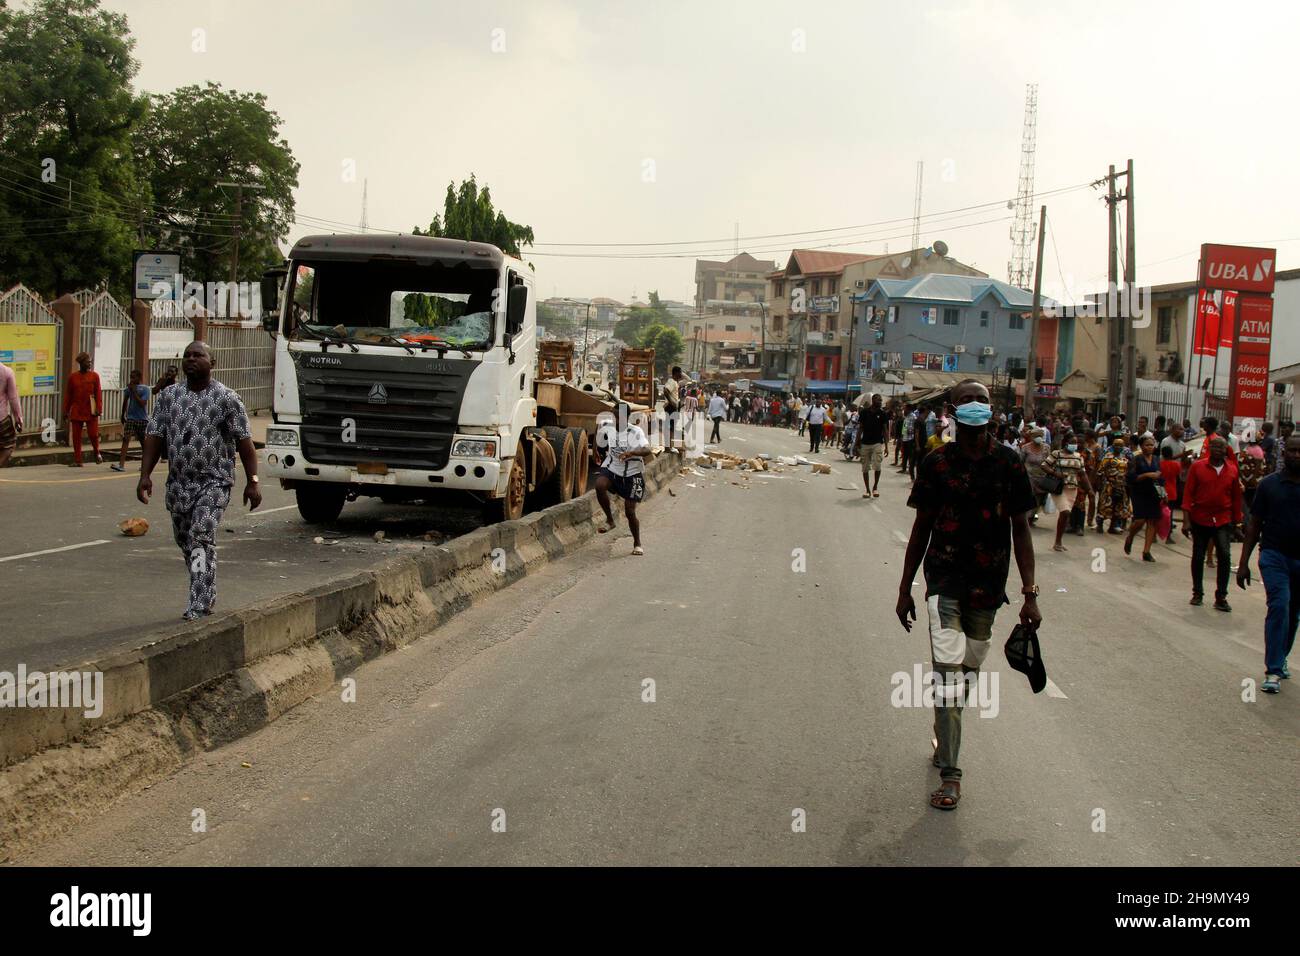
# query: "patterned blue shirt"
200,430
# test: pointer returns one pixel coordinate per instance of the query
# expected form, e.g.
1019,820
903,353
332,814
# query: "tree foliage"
196,137
468,214
555,322
667,343
69,196
632,326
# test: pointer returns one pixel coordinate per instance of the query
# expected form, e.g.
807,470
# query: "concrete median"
202,685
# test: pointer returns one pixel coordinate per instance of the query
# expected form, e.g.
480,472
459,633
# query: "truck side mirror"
516,305
271,299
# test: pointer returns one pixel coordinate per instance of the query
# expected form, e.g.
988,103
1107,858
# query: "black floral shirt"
201,431
973,501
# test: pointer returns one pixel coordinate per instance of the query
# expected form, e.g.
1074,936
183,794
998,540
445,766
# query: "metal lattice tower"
1020,270
365,191
916,206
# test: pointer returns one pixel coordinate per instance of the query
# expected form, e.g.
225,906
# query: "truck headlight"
471,448
282,436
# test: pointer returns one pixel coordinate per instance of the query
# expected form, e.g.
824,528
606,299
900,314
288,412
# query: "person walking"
1285,428
1147,494
805,408
83,403
11,414
203,425
816,419
135,416
717,411
1171,472
1275,527
872,428
1113,474
1065,465
623,449
1211,506
673,402
972,501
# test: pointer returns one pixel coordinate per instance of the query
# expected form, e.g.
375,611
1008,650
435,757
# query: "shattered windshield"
394,303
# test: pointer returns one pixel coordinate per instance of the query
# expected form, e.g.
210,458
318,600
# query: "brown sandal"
947,796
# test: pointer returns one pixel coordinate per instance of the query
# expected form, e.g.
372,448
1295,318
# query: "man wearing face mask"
973,500
1275,526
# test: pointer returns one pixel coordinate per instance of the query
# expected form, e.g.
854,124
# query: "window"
778,289
1017,321
951,316
982,358
984,323
1164,324
778,323
832,323
814,323
729,328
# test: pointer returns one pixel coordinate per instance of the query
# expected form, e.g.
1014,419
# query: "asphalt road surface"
771,703
73,588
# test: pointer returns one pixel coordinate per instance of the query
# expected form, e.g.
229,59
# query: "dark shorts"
627,487
135,429
8,433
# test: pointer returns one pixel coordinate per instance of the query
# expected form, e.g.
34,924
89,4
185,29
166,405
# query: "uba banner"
1243,268
1248,397
1214,324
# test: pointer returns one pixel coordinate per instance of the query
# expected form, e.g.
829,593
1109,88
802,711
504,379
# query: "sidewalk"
62,454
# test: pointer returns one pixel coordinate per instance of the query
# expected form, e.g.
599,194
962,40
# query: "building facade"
741,278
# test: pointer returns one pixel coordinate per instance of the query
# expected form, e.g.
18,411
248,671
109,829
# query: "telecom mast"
1020,270
365,189
916,207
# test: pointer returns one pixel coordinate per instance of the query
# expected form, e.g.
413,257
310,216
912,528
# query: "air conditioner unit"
958,349
860,284
987,350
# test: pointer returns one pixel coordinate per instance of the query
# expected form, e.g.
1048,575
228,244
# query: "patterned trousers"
195,529
959,642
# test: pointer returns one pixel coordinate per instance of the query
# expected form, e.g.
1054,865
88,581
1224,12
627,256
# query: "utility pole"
1130,269
1112,275
234,249
1031,369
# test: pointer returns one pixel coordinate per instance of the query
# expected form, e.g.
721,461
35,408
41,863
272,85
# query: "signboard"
825,303
168,343
108,359
155,268
950,363
930,316
814,338
935,363
1242,268
1248,389
918,360
30,350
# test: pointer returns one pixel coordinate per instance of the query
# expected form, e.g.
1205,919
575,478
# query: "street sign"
1243,268
157,275
1248,393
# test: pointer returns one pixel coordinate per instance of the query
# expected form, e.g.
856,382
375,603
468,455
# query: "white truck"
405,369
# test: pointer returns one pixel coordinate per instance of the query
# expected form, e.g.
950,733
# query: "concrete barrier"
204,684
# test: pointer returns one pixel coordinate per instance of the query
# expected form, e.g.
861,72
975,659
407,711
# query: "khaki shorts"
873,457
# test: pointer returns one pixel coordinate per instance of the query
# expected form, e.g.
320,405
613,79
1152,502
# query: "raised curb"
208,683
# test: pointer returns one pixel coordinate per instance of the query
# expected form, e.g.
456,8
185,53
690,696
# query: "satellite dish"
907,261
941,247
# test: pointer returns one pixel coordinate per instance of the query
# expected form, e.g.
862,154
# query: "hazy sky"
666,121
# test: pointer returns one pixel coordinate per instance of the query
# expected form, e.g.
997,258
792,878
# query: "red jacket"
1212,499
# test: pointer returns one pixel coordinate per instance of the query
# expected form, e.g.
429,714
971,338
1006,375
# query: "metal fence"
245,361
21,306
165,315
102,321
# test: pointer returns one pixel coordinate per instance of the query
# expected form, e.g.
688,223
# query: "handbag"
1050,485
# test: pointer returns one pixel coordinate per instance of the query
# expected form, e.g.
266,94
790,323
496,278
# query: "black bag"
1050,485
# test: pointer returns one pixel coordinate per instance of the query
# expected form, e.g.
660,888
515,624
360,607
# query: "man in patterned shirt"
973,501
202,424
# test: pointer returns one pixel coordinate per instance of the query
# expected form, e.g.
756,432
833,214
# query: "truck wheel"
511,506
581,461
558,485
320,503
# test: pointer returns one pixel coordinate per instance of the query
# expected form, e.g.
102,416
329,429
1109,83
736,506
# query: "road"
73,588
772,695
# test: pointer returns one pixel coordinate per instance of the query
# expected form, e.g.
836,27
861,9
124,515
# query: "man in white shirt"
717,411
816,418
673,401
802,414
624,449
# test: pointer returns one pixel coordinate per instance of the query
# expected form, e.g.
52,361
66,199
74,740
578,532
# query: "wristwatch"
1031,591
254,479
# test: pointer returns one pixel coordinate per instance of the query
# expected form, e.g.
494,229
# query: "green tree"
636,320
557,323
196,137
667,343
70,202
468,214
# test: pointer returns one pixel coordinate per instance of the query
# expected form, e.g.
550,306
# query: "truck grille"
405,408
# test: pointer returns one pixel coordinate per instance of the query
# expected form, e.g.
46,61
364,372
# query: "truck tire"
557,487
581,461
320,503
510,507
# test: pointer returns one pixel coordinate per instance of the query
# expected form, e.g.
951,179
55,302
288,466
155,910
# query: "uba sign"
1240,268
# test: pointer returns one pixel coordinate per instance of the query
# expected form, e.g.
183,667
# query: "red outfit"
83,402
1211,499
1170,470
